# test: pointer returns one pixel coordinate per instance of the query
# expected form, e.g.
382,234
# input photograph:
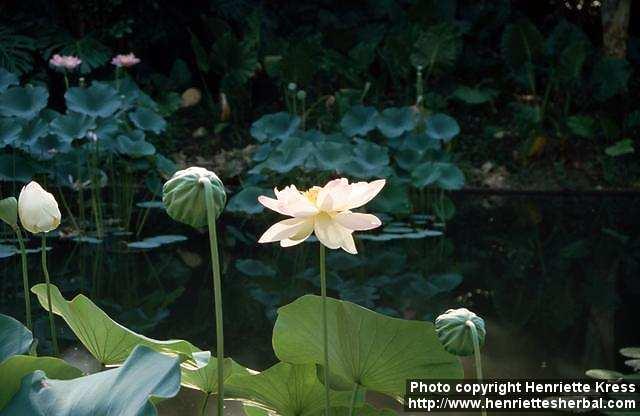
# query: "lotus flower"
67,62
38,209
324,210
125,60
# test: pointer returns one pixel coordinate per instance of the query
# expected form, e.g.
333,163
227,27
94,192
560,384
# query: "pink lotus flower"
67,62
325,211
125,60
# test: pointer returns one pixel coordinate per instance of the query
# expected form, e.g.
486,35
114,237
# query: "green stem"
217,290
325,332
354,394
203,409
476,353
66,208
52,324
25,278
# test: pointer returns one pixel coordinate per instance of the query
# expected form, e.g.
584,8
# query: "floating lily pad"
72,126
442,127
7,79
155,242
373,350
255,268
86,239
274,126
146,119
415,235
23,102
121,391
286,390
109,342
392,122
98,100
15,338
359,121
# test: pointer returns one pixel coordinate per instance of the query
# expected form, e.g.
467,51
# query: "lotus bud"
38,209
9,211
455,331
292,86
184,196
301,95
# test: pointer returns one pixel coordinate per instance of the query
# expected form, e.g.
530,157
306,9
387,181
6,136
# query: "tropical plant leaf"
286,390
474,96
234,60
9,131
375,351
23,102
438,48
521,44
443,174
109,342
16,51
201,373
582,126
122,391
623,147
134,145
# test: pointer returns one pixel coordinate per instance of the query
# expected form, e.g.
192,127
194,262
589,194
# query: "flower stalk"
25,278
476,353
217,289
325,332
52,324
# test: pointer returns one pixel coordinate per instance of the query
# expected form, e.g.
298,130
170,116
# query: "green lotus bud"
455,329
292,86
9,211
184,196
301,95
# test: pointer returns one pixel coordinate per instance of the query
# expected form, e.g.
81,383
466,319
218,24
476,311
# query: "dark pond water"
556,279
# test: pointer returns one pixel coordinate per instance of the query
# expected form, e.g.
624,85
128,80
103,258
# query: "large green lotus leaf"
15,338
443,174
394,198
442,127
31,131
274,126
369,160
246,201
23,102
359,121
290,154
16,168
201,373
146,119
376,351
121,391
332,156
108,341
7,79
72,126
392,122
286,390
98,100
15,368
134,146
366,410
9,131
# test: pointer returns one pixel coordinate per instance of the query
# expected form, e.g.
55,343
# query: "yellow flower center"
312,194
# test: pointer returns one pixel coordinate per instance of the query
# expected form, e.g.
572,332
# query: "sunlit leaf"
377,352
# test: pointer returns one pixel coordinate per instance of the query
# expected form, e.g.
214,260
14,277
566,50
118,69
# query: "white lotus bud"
38,209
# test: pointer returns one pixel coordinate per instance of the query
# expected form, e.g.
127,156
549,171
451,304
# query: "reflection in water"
555,280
